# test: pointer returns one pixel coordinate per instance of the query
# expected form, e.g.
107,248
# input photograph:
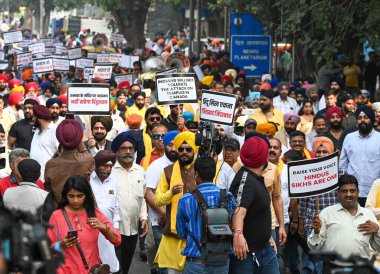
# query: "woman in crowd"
307,114
79,205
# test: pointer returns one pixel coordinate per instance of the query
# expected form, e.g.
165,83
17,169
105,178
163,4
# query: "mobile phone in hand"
72,234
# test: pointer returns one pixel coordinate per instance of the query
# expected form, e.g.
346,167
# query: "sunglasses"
77,224
158,136
153,119
182,149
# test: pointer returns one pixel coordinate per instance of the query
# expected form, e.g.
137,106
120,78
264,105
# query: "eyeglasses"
158,136
153,119
126,149
188,149
77,224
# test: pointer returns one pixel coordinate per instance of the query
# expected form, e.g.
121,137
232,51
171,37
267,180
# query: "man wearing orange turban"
26,75
322,146
268,129
15,101
3,82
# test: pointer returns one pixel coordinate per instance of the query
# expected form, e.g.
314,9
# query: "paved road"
138,266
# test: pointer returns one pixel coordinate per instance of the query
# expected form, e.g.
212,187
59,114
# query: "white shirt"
118,123
44,146
290,105
60,119
153,174
27,197
339,232
360,157
285,193
130,195
225,176
105,194
19,115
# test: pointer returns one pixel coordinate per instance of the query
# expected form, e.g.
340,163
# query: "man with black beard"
100,126
3,83
176,180
131,186
104,187
348,107
291,121
360,155
157,214
337,86
283,102
334,116
21,132
312,94
267,112
139,106
54,105
175,121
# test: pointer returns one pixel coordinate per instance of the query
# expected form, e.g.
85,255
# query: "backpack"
216,235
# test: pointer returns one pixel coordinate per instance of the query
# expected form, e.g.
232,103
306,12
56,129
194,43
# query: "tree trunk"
131,21
46,24
28,24
37,20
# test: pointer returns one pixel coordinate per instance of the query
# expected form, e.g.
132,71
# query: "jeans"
157,234
198,268
266,257
309,266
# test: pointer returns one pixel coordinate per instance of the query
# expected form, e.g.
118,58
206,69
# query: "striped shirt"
189,220
308,208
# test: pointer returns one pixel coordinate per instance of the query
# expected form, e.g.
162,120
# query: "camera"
24,244
208,140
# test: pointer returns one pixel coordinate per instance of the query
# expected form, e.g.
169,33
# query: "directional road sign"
252,53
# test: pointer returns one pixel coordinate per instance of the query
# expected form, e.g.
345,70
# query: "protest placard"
218,107
3,65
126,61
116,37
49,51
124,77
37,48
60,64
24,59
176,89
49,42
24,43
87,72
102,71
168,71
60,50
314,176
114,58
103,58
43,65
84,63
93,99
75,53
92,55
198,72
11,37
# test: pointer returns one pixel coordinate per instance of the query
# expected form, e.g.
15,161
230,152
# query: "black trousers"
125,251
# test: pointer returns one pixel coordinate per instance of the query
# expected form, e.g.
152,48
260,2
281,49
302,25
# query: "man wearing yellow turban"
175,180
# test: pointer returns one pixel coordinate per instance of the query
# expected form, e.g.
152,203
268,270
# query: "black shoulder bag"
96,269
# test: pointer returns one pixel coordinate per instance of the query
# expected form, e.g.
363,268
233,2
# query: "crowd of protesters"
129,177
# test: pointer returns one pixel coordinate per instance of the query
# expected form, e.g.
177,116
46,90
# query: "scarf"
146,161
307,153
378,201
147,143
217,171
175,180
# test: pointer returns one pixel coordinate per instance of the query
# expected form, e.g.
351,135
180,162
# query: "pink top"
87,236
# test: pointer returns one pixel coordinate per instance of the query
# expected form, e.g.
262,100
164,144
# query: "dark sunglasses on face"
188,149
153,119
158,136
